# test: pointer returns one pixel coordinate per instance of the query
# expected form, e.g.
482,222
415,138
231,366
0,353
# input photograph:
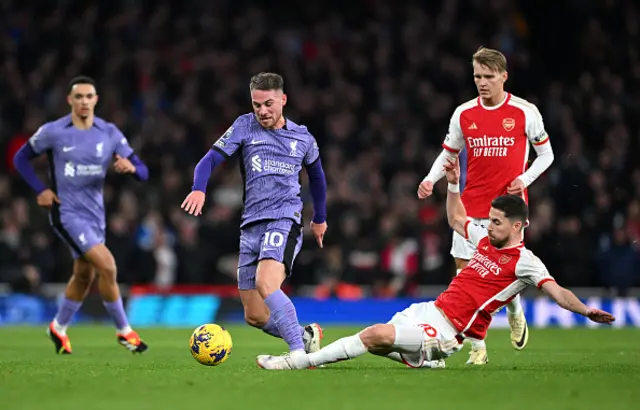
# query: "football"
210,344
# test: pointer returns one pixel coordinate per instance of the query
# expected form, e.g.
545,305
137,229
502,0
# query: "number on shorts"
429,330
273,239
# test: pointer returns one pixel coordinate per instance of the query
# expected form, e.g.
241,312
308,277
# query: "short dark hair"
81,79
514,207
266,82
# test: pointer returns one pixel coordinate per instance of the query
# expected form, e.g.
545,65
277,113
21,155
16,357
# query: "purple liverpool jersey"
78,161
270,163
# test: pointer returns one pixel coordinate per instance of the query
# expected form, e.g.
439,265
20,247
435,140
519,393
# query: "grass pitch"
559,369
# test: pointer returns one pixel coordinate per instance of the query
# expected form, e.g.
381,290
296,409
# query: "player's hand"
452,170
318,232
600,316
47,198
194,202
425,189
516,187
123,165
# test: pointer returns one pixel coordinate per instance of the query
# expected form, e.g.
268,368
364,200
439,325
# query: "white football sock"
62,330
125,330
514,307
477,344
342,349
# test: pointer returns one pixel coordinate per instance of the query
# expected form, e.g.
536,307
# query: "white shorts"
462,248
440,337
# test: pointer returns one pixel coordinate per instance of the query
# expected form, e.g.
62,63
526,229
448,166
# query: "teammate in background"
426,333
80,147
497,128
273,150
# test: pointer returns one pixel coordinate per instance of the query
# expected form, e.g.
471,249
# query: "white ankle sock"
124,330
514,307
62,330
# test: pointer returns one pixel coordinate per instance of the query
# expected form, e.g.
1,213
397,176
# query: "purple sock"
271,329
67,309
116,311
285,318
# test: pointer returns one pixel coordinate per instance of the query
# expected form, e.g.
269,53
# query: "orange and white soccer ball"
210,344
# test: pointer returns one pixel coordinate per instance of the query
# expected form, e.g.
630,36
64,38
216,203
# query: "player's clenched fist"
123,165
46,198
318,231
425,189
194,202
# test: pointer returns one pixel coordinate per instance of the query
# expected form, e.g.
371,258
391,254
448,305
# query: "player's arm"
22,163
566,299
127,162
456,213
318,187
453,144
531,270
222,149
539,138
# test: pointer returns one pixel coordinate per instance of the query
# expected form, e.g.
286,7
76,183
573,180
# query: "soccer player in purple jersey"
273,150
80,147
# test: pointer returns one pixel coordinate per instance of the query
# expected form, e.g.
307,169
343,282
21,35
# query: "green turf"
560,369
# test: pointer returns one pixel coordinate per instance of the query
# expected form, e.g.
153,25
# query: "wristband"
455,188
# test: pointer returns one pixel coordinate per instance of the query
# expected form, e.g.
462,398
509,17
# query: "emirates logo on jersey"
504,259
508,124
487,146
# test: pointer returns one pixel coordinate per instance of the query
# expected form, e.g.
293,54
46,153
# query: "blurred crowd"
375,81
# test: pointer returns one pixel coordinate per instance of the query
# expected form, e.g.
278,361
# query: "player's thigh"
280,244
102,259
256,312
250,237
80,235
412,315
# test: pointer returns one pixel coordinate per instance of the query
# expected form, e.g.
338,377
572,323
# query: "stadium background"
376,83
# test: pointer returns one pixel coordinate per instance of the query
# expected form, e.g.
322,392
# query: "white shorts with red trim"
462,248
441,339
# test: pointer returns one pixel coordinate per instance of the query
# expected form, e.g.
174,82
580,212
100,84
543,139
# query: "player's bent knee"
269,276
378,336
254,320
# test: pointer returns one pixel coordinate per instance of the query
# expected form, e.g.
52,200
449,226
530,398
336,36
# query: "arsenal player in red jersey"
425,334
498,130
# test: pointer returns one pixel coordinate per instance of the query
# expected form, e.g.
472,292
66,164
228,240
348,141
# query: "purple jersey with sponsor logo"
78,161
270,163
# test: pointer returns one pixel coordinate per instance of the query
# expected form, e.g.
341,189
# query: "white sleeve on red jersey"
537,135
474,233
531,269
454,141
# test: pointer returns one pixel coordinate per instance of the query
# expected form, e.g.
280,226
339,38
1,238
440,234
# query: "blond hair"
495,60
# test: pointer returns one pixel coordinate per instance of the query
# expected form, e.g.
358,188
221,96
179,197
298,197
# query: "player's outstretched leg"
397,338
517,323
102,259
269,277
256,314
77,289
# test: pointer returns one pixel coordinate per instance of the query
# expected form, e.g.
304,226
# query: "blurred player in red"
425,334
497,129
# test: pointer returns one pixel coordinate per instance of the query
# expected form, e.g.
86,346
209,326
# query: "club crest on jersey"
99,149
504,259
294,146
508,124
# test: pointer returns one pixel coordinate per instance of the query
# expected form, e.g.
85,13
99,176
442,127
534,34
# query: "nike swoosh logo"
520,342
254,142
67,149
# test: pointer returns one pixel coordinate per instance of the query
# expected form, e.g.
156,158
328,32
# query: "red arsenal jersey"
491,279
497,140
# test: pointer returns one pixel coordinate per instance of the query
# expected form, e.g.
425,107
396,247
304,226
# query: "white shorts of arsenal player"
462,248
441,339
